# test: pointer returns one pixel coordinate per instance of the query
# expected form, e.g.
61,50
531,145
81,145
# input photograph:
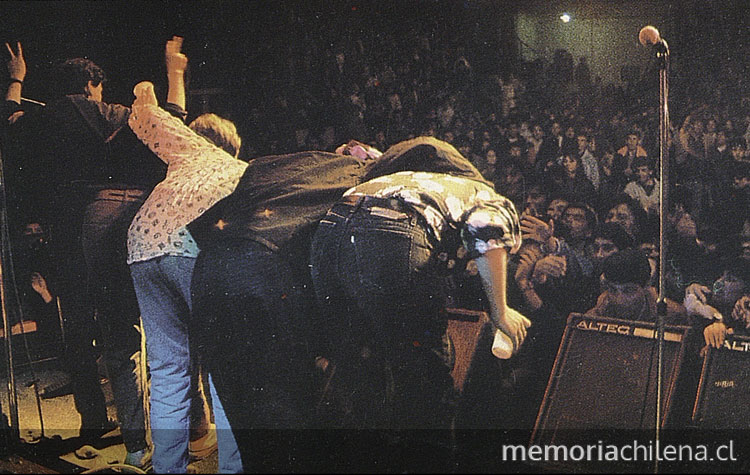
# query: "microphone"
32,101
649,35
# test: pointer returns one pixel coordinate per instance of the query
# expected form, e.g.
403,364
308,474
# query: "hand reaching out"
716,333
741,311
700,292
16,63
527,258
549,266
536,229
696,298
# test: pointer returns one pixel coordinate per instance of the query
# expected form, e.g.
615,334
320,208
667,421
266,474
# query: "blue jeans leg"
163,289
229,453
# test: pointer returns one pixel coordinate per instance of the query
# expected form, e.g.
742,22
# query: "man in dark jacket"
252,299
91,175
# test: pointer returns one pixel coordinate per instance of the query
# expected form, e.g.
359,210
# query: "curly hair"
74,75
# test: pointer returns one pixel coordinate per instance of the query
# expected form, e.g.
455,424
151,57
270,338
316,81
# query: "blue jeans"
163,288
375,276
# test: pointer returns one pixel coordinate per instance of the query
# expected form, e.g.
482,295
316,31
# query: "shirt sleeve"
168,137
176,111
490,225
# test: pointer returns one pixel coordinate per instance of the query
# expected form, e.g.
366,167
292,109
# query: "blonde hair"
221,132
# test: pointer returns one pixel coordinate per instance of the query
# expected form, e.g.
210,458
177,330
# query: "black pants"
94,280
250,326
381,297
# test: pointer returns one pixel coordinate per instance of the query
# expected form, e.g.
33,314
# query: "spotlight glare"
565,18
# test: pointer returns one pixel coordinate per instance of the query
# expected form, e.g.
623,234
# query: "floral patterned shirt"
485,219
198,175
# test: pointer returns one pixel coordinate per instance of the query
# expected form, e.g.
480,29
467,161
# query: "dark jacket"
280,198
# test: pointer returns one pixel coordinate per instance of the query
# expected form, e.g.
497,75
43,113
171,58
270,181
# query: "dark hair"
639,213
635,132
739,269
740,169
570,149
616,234
591,217
629,266
74,75
426,154
643,162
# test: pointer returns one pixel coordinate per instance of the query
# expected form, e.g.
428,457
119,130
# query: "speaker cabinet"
464,329
723,399
604,379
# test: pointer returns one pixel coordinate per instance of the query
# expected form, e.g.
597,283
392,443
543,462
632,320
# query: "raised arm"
167,136
16,73
176,63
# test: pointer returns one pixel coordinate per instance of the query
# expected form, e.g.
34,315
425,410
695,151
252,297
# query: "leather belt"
369,202
120,195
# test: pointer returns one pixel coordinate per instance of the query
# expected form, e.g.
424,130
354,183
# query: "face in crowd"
632,142
644,174
576,224
570,164
622,215
555,209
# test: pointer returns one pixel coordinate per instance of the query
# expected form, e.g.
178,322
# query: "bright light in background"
565,18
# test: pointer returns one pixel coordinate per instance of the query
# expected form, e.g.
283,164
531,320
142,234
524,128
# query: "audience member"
625,292
645,187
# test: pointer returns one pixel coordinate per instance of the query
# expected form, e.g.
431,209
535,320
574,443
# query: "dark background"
239,48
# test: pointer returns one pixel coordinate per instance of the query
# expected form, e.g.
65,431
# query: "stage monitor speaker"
464,329
604,379
723,399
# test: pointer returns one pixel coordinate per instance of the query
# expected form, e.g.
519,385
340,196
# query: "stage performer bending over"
378,275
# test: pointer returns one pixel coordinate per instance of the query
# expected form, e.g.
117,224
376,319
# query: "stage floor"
49,428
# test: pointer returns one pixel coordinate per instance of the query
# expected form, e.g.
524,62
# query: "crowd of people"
308,279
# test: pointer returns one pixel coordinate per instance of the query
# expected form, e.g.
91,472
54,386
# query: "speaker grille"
604,378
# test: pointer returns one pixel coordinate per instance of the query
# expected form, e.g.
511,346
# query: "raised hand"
144,94
16,63
176,61
536,229
40,286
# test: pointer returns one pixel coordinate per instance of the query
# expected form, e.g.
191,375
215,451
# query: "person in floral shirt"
378,277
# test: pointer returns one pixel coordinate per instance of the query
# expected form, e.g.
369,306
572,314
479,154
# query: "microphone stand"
5,281
662,55
9,297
